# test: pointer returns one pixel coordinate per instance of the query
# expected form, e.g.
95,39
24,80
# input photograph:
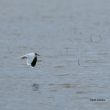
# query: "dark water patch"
59,66
55,87
80,92
93,61
67,85
35,87
5,57
104,53
62,74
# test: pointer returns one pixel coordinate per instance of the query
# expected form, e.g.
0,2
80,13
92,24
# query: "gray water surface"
73,40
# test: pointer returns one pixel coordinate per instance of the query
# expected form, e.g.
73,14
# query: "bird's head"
37,54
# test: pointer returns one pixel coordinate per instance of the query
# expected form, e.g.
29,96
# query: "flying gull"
31,58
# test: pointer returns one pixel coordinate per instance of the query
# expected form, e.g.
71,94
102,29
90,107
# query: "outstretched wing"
29,58
24,57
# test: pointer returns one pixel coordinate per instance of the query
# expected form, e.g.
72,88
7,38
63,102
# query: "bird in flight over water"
31,58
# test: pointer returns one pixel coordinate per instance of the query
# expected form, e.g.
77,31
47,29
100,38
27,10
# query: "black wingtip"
34,62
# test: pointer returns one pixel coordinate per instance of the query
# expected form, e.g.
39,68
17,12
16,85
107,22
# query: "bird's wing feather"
24,56
33,63
30,59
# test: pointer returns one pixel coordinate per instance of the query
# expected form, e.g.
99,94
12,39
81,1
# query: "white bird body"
31,58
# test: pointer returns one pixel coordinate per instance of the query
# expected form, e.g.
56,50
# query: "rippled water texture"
73,40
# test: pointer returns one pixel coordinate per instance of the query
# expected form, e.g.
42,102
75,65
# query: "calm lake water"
73,40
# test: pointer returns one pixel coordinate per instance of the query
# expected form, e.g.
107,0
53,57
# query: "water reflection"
35,87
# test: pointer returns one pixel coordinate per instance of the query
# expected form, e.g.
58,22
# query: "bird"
31,58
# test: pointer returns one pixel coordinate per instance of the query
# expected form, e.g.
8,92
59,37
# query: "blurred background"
73,40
